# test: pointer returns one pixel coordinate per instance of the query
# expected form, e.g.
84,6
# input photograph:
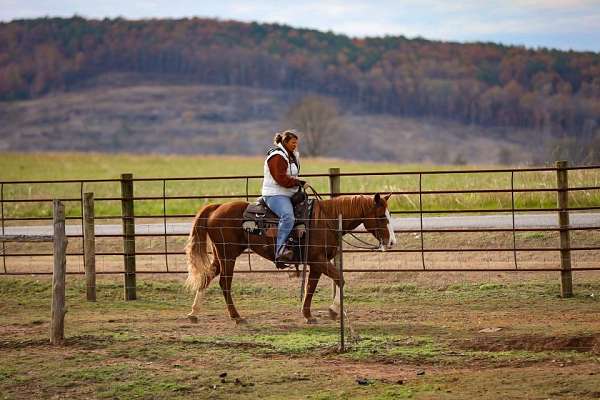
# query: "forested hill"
552,91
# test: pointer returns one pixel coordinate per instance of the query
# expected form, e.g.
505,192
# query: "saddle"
258,219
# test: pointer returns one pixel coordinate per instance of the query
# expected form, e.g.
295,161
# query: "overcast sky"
563,24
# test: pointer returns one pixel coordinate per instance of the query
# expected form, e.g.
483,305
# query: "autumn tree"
317,118
549,91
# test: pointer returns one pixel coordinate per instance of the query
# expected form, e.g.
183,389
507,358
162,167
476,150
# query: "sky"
561,24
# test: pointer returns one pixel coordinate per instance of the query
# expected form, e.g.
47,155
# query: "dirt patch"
582,343
373,370
228,344
87,342
23,343
24,329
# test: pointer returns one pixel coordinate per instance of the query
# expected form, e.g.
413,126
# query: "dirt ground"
412,335
417,335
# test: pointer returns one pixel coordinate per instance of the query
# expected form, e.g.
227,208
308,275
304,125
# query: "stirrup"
282,265
286,256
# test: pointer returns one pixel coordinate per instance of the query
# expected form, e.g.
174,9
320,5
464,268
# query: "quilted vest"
270,186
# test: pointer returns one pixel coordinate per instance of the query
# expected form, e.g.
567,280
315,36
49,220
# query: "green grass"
145,348
44,166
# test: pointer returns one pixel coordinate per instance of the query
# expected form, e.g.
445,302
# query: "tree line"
557,93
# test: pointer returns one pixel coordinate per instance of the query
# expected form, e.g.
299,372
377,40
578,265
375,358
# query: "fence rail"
128,199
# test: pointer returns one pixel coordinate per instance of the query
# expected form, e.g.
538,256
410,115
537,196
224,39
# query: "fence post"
334,189
562,184
2,225
58,309
89,246
128,234
340,264
334,181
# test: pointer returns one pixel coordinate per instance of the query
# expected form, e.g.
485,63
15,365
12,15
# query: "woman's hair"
285,136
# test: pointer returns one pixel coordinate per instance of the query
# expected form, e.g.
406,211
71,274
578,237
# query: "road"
546,220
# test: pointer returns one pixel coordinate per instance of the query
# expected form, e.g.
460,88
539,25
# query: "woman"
280,182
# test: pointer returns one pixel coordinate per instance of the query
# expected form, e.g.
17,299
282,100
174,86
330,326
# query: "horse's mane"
348,206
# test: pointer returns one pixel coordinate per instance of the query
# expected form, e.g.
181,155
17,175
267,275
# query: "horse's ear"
377,199
388,197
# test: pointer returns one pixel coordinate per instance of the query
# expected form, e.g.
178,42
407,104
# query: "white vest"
270,186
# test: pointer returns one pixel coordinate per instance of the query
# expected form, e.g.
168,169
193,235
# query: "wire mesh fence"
154,230
487,221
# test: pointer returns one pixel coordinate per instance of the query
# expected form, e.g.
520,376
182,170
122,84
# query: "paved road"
546,220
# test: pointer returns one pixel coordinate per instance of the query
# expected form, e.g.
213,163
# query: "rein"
368,246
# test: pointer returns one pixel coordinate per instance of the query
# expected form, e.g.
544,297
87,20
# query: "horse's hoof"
332,314
311,320
240,321
193,319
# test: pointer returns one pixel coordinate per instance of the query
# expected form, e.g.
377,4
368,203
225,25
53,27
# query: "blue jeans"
282,206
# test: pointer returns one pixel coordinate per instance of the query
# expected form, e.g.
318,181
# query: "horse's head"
378,222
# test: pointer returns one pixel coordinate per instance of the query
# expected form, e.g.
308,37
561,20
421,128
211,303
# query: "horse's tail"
200,271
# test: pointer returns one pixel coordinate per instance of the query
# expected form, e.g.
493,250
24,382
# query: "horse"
220,227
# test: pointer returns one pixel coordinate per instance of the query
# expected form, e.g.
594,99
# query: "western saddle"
258,219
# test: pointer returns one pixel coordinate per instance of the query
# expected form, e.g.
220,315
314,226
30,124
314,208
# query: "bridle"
366,245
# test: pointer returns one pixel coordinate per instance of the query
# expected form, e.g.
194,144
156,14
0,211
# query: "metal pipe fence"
10,204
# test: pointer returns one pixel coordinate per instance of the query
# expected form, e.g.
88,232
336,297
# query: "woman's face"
291,144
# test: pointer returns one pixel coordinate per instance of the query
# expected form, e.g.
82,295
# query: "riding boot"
286,255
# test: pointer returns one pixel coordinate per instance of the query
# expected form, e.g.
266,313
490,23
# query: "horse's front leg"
225,283
332,272
311,285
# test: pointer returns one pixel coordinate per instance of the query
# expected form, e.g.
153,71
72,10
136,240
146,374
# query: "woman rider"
280,182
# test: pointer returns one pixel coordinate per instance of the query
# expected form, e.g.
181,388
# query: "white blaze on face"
392,240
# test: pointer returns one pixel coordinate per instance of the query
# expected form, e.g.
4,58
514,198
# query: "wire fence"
161,218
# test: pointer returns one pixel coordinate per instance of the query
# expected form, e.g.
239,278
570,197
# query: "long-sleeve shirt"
278,166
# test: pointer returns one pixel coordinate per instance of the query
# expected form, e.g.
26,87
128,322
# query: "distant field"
57,166
142,114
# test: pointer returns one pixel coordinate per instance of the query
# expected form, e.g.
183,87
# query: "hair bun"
278,138
284,136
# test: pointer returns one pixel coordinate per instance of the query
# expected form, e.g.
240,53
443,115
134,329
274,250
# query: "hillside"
140,114
551,92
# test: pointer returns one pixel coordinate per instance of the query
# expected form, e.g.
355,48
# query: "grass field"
44,166
410,340
489,335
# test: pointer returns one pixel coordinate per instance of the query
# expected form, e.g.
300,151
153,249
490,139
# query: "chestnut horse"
222,224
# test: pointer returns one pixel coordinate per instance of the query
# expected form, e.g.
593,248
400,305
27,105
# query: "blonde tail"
200,270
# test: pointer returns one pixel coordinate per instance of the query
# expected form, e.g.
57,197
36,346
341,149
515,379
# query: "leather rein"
367,245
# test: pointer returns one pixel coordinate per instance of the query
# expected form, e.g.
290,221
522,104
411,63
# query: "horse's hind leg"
193,315
225,282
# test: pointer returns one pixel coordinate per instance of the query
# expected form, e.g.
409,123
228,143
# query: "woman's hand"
303,184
